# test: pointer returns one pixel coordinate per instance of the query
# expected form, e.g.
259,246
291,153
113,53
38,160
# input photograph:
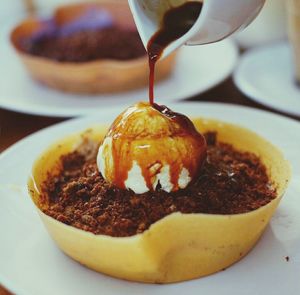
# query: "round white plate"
197,70
32,264
266,75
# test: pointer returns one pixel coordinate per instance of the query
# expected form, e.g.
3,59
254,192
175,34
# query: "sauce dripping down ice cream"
150,147
175,23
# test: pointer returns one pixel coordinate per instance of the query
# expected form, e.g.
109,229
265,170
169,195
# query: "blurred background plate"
266,75
197,70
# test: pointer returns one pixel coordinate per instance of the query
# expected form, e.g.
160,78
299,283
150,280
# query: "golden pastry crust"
206,244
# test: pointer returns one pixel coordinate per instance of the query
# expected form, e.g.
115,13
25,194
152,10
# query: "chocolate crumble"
231,182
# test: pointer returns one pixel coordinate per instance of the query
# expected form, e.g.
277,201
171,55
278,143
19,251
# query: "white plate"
266,75
32,264
197,70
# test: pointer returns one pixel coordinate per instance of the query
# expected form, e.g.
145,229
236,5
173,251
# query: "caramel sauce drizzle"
145,133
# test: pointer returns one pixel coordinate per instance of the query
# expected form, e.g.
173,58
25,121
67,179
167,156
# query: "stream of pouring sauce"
190,148
176,22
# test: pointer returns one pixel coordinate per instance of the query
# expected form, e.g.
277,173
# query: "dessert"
161,236
86,48
156,197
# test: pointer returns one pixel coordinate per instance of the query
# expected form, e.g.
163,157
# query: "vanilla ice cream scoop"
149,147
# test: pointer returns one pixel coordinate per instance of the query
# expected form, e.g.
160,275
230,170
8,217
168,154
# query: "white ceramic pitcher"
218,19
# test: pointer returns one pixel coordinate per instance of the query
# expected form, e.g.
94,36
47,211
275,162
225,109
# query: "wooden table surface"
15,126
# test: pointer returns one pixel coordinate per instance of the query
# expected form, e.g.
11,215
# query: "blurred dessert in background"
90,36
293,10
86,48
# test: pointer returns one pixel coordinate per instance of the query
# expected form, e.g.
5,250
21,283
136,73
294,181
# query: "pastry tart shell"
180,246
